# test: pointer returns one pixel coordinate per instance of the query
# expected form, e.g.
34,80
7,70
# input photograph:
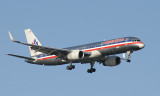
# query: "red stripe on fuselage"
112,46
48,57
88,50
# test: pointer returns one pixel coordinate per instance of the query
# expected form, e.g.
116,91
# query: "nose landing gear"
129,56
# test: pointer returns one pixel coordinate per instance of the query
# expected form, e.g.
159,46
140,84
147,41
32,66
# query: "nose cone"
141,45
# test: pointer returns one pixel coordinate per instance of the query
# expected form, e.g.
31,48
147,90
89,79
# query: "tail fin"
32,39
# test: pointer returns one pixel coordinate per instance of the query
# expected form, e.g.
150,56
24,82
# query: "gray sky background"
64,23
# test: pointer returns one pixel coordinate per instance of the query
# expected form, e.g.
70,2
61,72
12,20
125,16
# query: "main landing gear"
70,67
91,69
129,56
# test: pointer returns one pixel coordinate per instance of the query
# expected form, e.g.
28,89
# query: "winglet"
11,37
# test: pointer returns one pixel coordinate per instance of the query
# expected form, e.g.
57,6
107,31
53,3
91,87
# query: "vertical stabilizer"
32,39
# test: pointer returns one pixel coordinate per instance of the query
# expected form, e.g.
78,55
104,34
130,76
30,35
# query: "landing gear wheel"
73,66
70,67
93,70
128,60
89,71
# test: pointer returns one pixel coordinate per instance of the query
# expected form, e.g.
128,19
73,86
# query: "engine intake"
75,55
112,61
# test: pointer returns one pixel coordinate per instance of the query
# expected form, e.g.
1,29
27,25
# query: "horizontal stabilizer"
21,56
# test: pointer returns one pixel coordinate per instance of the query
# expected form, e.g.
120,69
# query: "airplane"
102,52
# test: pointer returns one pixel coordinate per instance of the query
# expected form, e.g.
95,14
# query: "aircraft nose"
141,45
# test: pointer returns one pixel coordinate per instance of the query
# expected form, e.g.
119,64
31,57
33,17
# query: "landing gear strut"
91,69
70,67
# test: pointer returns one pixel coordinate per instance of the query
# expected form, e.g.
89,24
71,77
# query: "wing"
47,50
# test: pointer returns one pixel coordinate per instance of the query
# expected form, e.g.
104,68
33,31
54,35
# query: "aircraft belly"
52,61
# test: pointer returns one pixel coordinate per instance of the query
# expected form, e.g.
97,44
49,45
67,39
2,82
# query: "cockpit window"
136,40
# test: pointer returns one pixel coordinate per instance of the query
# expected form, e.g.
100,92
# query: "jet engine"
112,61
75,55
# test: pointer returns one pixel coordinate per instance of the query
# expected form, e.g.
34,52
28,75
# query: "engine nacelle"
75,55
112,61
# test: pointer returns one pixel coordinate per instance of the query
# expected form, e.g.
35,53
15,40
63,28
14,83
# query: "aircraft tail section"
32,39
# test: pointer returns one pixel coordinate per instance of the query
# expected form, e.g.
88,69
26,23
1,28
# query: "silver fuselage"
99,50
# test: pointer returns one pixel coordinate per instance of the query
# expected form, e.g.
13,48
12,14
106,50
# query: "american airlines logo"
35,42
114,41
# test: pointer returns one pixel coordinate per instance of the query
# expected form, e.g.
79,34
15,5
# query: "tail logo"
35,42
